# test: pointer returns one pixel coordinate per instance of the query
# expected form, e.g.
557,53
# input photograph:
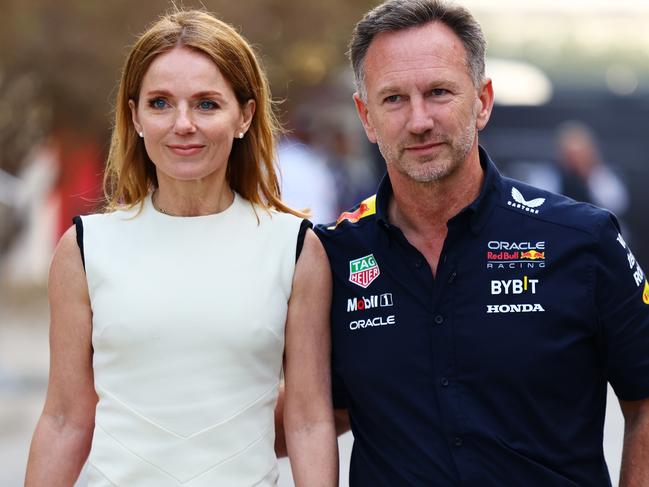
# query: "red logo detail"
365,278
353,216
503,255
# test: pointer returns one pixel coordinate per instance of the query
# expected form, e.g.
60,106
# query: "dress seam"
197,433
183,482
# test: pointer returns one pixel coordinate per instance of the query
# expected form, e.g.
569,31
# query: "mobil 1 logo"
369,302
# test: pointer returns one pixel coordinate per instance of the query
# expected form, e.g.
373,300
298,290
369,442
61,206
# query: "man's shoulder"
557,209
354,219
517,197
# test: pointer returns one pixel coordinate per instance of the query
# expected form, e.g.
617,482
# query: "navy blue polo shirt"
494,371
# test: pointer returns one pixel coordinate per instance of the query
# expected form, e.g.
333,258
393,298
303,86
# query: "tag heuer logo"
363,271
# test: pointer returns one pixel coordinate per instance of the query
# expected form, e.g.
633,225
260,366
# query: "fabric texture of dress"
188,337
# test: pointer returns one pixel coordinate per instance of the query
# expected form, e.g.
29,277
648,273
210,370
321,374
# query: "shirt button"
458,441
439,319
444,381
452,277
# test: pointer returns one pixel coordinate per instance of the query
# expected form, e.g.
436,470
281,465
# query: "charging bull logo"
533,255
353,216
645,294
366,208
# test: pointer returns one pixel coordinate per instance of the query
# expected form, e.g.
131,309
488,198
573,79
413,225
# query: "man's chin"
426,172
425,176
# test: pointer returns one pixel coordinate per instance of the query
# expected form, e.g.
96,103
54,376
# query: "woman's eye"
207,105
158,103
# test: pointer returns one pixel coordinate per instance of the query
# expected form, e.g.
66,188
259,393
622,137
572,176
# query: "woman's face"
189,116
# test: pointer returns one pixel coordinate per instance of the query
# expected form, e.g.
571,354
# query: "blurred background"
572,115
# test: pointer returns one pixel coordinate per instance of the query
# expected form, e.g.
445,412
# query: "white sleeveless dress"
188,337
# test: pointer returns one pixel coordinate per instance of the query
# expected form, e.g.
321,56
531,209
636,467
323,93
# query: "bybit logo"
514,286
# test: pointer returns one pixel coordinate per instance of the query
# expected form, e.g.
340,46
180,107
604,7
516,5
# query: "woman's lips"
185,149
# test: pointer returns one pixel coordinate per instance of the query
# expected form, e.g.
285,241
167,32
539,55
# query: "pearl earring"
241,135
141,134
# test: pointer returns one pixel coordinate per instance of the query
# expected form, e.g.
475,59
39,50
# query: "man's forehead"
433,38
422,50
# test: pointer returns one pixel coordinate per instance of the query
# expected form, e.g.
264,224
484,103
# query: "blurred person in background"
476,320
305,177
24,181
10,211
585,176
24,250
355,179
173,312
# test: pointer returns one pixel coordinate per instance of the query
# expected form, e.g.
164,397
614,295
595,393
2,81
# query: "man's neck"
422,210
426,207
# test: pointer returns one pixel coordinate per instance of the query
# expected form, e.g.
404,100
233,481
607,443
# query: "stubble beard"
431,169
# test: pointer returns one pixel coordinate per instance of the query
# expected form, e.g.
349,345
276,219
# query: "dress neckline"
150,208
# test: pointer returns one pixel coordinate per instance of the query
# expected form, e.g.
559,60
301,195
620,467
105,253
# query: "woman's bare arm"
308,414
63,435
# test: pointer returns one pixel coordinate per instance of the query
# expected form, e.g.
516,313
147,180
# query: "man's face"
422,107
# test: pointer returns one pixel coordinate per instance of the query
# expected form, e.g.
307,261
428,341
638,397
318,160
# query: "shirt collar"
479,210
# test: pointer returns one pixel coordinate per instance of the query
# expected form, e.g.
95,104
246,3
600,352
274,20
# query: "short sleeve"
304,226
622,301
78,223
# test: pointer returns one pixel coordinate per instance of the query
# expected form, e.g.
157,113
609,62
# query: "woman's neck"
192,198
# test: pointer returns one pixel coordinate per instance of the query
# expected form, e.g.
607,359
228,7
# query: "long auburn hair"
130,174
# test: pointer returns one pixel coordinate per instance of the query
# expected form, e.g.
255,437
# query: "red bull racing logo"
515,255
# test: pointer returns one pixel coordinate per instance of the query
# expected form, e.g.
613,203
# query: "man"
584,174
475,320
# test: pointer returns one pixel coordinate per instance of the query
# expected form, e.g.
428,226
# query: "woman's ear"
134,117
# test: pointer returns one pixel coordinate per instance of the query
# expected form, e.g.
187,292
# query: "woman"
169,327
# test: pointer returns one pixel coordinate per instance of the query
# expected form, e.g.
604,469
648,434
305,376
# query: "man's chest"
498,303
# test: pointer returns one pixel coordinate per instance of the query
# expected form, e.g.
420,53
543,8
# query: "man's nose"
421,118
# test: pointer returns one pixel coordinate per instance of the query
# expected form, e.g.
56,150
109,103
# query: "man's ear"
363,114
485,104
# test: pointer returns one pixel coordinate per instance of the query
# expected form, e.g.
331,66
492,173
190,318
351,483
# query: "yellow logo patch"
645,294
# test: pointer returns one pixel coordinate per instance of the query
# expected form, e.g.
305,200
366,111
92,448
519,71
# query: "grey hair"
395,15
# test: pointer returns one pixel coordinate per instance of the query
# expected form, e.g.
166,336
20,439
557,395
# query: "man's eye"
439,92
158,103
393,99
207,105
